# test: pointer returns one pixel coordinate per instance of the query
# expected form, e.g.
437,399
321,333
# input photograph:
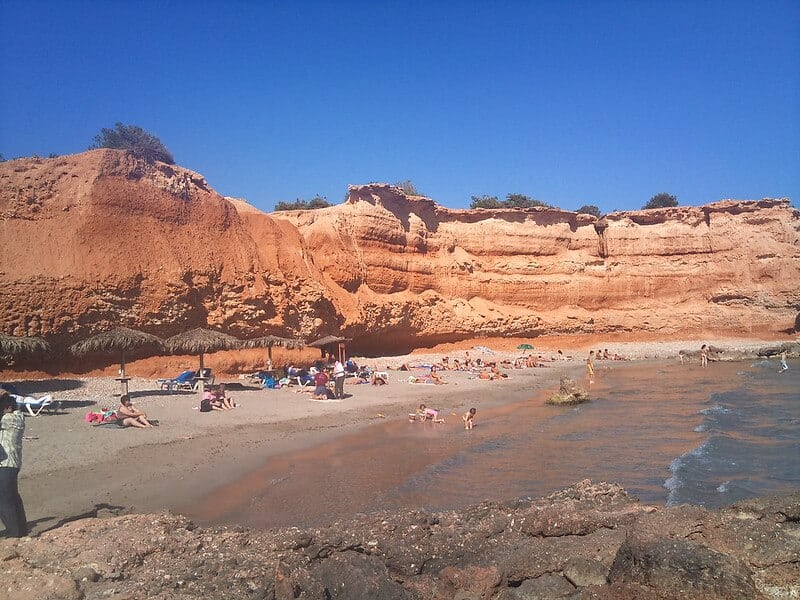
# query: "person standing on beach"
784,366
703,355
338,379
590,366
12,428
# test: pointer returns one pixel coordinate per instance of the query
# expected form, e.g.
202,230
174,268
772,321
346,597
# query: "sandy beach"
72,469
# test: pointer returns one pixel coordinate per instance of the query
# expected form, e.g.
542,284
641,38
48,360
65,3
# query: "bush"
485,202
522,201
511,201
662,200
135,140
314,203
408,187
589,209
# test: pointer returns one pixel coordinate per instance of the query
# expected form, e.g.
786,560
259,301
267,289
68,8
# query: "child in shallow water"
426,414
469,418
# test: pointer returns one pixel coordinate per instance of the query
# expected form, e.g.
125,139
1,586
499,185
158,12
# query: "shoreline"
73,470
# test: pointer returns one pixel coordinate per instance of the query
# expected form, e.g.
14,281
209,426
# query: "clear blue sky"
572,103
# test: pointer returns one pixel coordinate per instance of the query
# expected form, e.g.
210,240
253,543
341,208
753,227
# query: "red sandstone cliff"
97,239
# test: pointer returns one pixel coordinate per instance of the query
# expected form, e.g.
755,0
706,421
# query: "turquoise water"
669,434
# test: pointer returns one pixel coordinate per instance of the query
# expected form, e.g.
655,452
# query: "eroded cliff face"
98,239
411,267
94,240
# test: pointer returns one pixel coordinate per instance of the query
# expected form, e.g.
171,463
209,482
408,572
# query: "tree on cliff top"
662,200
133,139
589,209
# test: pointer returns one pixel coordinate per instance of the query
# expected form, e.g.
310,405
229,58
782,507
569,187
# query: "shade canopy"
123,340
201,341
268,341
11,345
327,341
120,339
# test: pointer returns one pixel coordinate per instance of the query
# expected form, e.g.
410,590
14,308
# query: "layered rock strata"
97,239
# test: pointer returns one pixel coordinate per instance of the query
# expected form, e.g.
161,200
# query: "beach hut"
329,343
201,341
128,342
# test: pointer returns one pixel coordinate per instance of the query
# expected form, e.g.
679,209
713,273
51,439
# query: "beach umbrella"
12,346
201,341
329,340
123,340
525,347
268,341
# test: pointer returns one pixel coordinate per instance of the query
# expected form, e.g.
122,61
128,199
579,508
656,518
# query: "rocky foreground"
588,541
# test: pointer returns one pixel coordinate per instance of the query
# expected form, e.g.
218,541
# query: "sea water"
669,434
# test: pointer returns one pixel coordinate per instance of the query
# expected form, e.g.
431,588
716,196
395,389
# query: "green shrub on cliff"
135,140
511,201
408,187
662,200
315,202
589,209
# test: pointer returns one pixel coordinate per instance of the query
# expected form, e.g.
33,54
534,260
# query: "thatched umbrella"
200,341
328,341
13,346
268,341
122,340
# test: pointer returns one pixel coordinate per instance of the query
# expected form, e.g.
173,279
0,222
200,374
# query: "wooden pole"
123,383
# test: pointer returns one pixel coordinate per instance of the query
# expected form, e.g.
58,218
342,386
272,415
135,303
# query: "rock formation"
100,239
588,541
568,393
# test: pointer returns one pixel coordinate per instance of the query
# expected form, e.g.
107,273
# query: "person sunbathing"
227,401
128,416
211,402
321,382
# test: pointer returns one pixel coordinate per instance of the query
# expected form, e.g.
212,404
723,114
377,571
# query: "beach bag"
269,382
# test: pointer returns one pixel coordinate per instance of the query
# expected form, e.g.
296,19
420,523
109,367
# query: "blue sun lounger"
184,381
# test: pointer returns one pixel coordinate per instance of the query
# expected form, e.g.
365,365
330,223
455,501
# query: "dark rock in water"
562,546
568,393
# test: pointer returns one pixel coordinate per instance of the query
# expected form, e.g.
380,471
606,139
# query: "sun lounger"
33,407
184,381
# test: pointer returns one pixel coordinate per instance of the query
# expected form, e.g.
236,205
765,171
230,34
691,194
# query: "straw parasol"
201,341
122,340
13,346
268,341
329,340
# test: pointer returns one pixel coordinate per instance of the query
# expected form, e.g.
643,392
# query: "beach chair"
205,375
183,381
33,407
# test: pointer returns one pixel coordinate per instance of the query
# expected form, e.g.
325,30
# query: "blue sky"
572,103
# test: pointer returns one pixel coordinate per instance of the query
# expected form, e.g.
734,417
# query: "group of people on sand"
216,399
424,414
